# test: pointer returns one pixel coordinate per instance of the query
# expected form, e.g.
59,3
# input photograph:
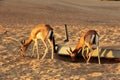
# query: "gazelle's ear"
22,42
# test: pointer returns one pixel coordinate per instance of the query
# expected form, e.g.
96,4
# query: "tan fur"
85,41
39,32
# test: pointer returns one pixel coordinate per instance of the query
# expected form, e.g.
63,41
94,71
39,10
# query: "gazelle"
88,39
43,32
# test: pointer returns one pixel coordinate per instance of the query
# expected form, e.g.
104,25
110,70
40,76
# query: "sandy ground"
18,17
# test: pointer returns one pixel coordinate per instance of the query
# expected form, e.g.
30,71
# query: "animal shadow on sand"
80,59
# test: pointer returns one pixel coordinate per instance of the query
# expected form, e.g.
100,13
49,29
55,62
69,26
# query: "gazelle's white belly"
39,36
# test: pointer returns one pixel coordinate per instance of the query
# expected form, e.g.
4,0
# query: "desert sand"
18,17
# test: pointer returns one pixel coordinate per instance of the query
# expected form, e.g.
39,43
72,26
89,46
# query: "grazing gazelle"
88,39
43,32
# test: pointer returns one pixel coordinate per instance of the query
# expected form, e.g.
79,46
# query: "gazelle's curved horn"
68,51
22,41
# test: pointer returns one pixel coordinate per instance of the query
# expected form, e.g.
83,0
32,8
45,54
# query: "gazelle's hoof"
87,63
52,60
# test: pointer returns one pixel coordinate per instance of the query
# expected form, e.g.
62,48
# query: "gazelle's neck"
27,42
77,48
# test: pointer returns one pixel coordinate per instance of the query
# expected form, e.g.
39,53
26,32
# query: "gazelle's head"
72,54
22,48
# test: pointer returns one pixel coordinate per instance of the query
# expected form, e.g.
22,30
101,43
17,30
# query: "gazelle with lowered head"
43,32
87,39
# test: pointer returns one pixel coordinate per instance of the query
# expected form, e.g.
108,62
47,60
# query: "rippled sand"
17,20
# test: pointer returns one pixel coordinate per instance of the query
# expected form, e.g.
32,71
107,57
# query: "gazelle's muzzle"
73,56
22,51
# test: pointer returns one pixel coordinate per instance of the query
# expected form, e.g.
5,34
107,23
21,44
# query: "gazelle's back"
86,37
90,36
41,29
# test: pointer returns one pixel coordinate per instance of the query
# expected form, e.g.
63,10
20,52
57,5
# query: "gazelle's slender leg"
83,49
87,53
90,54
52,45
35,47
33,50
98,55
46,50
